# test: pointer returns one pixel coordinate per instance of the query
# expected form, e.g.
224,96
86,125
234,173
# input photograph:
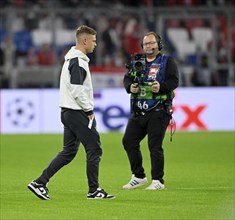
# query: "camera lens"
138,64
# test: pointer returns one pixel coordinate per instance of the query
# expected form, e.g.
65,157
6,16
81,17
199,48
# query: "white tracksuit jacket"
76,91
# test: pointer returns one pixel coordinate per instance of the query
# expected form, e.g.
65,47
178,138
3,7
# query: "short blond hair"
85,30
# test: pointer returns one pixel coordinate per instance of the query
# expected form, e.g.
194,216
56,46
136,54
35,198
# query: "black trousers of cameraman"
153,124
76,131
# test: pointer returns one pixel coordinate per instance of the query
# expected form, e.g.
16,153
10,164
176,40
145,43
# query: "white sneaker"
135,182
100,194
156,185
40,190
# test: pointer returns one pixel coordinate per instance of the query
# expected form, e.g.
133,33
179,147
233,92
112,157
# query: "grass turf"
199,176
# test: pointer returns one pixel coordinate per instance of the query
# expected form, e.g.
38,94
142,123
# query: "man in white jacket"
77,104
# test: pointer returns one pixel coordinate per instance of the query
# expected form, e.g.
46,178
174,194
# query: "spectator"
46,56
202,74
1,68
222,51
32,57
109,39
118,59
8,59
132,37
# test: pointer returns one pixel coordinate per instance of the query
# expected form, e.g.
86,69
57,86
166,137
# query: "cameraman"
151,101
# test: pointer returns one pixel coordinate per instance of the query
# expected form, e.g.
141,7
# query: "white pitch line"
202,188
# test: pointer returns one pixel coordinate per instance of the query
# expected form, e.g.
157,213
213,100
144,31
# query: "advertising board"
37,110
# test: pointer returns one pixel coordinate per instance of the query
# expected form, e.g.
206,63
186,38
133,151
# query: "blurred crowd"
31,36
107,3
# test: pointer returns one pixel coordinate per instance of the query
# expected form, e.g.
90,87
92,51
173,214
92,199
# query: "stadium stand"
186,49
23,41
64,37
202,36
42,36
178,34
191,32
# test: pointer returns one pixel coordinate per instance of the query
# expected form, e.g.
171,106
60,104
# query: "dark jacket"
171,78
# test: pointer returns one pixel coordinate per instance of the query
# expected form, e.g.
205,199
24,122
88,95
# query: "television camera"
137,66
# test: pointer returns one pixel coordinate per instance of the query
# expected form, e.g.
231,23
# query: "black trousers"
76,131
153,124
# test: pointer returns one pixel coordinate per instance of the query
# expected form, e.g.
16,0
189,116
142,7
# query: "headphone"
158,39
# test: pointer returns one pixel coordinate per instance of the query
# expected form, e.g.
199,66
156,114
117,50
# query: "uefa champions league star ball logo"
20,112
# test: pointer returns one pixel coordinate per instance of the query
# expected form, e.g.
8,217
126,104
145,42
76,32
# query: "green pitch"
199,176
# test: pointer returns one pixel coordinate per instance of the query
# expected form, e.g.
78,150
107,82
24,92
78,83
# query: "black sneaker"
40,190
99,194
